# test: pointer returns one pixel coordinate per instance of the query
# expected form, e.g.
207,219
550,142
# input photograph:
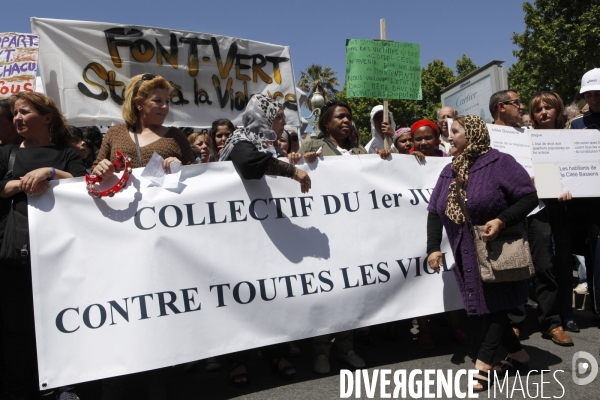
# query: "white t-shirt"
345,152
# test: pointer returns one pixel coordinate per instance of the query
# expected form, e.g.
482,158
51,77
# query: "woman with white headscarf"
380,129
251,148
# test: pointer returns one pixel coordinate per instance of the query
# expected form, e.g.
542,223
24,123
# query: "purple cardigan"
496,181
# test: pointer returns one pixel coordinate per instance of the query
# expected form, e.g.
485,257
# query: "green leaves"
560,44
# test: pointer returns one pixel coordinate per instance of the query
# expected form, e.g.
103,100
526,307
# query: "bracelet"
53,174
295,176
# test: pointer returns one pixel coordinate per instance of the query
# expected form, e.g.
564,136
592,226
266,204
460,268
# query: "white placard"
513,141
86,65
565,160
551,146
582,179
151,278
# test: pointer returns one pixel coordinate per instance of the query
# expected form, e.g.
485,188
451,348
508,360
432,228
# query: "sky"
315,31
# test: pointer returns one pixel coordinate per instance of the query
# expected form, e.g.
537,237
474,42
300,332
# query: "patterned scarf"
478,144
258,120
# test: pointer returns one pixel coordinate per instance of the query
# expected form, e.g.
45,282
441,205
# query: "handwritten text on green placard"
382,69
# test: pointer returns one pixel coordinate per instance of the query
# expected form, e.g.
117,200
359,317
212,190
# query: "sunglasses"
514,102
148,77
328,105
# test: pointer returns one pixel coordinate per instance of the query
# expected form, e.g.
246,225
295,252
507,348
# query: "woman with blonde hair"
201,142
145,108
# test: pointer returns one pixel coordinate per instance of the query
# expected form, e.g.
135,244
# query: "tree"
559,45
464,67
435,78
315,77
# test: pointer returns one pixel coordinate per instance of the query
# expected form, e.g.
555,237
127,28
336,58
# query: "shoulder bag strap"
11,163
137,147
463,207
332,146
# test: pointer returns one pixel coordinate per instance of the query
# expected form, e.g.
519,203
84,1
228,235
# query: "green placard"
382,69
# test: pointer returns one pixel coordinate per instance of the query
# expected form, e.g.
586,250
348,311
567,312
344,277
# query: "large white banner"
86,65
155,277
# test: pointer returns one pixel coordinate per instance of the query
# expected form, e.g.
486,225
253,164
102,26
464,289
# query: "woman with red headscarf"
426,139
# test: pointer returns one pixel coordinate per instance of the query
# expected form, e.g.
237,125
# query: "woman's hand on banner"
36,181
302,177
383,153
40,188
310,157
294,158
420,156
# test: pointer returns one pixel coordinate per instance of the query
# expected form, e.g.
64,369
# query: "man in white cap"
590,90
584,213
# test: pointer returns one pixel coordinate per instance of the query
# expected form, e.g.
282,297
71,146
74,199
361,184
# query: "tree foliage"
464,67
559,45
434,78
317,77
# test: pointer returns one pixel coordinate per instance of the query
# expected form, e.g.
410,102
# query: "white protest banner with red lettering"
86,65
152,277
18,63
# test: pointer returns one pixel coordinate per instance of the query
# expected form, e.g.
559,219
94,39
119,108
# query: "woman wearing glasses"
145,108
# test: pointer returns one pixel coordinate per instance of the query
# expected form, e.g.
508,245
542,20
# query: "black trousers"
575,229
497,331
545,285
19,357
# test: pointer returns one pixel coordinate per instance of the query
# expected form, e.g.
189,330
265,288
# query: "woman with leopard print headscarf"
498,193
249,148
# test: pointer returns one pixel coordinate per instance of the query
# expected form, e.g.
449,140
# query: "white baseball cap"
590,81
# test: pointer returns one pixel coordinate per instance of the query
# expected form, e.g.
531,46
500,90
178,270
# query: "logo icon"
580,367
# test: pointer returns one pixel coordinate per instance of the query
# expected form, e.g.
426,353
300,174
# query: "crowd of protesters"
38,146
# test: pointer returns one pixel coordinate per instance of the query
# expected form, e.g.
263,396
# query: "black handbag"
15,244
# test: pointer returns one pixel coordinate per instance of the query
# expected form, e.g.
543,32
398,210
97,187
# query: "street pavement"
392,347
